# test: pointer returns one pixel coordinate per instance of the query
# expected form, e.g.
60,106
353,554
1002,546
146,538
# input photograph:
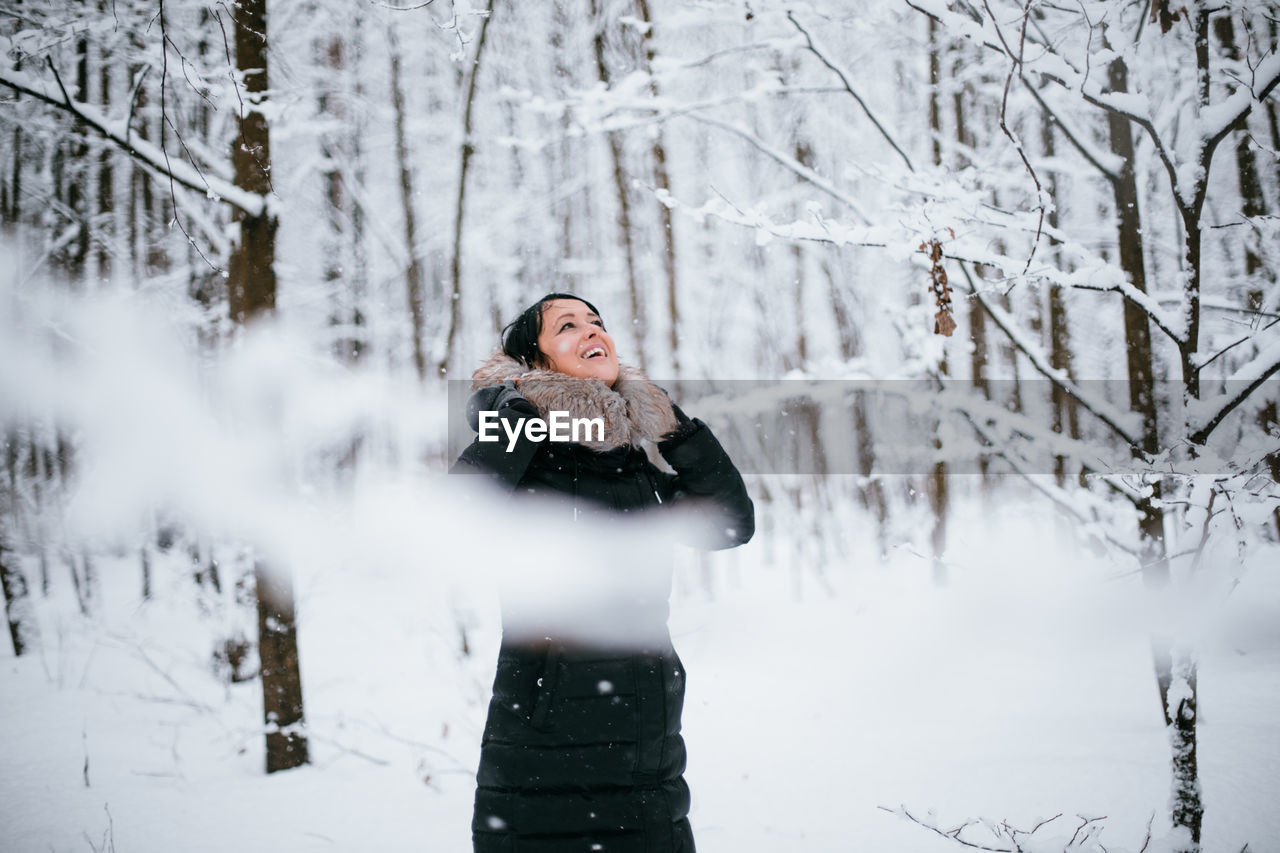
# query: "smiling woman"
582,747
573,341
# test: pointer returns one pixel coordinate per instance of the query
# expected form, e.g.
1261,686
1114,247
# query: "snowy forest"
981,296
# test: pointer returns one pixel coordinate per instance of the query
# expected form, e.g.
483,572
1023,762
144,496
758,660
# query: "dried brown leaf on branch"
944,322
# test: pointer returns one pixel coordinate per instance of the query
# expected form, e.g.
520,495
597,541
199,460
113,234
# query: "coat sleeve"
707,486
505,466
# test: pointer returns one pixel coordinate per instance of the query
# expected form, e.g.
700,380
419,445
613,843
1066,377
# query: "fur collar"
634,410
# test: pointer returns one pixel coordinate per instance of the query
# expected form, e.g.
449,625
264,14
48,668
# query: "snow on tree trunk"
621,183
467,150
253,295
252,275
23,630
413,271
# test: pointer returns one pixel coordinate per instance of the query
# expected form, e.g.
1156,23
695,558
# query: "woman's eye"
566,326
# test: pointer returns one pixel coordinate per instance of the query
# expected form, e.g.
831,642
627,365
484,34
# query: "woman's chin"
606,373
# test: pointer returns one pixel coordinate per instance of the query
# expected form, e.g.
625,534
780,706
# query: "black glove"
685,427
495,398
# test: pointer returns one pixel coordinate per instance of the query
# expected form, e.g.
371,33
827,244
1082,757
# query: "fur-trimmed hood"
634,409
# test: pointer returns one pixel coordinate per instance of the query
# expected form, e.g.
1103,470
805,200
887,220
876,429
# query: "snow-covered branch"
1053,67
1216,121
819,230
824,56
1100,409
1007,838
1252,375
1104,161
1119,104
146,153
787,161
1144,300
1017,427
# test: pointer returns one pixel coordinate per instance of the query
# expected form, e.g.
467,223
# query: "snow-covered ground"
823,690
1020,690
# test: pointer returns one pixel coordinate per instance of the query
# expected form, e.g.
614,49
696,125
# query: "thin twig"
350,750
133,105
1071,136
1201,435
788,162
1044,822
1147,842
1234,344
164,120
401,8
849,88
1037,361
1015,67
956,838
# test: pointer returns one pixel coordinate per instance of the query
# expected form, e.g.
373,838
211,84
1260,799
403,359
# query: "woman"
582,747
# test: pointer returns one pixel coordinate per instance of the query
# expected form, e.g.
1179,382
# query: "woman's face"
573,341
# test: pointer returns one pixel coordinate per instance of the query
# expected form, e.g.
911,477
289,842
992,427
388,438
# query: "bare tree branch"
849,88
1099,409
1253,374
786,161
1015,67
1093,156
468,148
145,153
1140,298
165,121
953,835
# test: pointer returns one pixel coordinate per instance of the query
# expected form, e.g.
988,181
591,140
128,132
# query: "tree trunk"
357,271
104,202
69,177
13,205
977,315
11,189
336,267
978,356
872,488
40,468
1010,353
620,183
413,273
662,181
144,557
79,193
1269,420
850,346
82,579
252,291
1252,201
468,149
1065,415
1136,330
938,491
23,630
252,283
281,676
935,112
1187,809
1273,122
804,156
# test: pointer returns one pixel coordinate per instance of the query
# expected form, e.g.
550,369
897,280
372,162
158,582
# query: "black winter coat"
582,748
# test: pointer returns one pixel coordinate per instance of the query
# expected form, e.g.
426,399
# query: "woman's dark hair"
520,337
